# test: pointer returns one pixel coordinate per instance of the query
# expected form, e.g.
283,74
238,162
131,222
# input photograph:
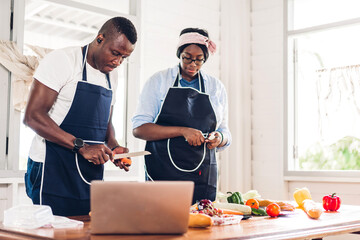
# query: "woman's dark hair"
119,25
203,47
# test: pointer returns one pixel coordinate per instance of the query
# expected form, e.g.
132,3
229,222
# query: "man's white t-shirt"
60,70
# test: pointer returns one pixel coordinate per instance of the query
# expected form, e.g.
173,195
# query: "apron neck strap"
200,78
84,76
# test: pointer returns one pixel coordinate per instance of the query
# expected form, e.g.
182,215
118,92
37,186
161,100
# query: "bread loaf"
200,220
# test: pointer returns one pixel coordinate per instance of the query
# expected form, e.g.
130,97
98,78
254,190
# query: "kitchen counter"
295,225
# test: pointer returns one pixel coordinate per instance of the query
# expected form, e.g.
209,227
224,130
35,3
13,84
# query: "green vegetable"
233,198
229,198
258,212
241,201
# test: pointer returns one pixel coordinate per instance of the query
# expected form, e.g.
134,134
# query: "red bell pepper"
331,202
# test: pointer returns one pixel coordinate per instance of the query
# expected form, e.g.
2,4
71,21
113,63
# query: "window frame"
290,103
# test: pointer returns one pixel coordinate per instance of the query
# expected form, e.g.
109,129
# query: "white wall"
162,22
267,97
235,162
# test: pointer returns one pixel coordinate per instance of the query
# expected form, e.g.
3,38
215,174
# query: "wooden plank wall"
267,97
162,21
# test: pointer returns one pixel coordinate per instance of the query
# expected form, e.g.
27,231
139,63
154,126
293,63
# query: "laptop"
160,207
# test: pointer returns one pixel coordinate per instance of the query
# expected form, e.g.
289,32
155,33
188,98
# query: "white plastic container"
64,222
227,219
28,216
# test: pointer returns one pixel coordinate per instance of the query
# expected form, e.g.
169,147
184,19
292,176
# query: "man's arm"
37,118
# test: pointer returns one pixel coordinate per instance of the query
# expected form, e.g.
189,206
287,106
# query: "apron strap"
84,76
202,85
201,81
181,169
77,161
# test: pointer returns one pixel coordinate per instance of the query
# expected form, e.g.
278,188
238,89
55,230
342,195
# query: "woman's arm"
154,132
220,103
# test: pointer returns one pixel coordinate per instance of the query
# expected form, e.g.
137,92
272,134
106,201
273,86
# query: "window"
323,85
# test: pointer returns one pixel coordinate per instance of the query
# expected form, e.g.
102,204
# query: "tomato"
253,203
273,210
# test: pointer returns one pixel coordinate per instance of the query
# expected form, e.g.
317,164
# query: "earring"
99,40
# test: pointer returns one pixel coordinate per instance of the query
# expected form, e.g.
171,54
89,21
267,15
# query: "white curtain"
338,91
22,67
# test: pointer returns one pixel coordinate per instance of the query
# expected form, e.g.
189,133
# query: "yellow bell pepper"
300,195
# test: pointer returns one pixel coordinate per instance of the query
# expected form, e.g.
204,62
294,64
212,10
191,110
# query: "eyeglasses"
187,60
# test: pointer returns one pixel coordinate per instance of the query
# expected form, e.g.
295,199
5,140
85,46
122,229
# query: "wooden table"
292,226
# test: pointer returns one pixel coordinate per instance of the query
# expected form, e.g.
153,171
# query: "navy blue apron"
174,159
63,188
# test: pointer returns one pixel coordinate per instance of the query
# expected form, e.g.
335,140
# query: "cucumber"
258,212
246,210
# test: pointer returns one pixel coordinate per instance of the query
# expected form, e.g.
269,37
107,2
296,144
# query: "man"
70,109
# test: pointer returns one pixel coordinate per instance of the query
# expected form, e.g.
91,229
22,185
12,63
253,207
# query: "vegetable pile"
205,214
207,207
250,201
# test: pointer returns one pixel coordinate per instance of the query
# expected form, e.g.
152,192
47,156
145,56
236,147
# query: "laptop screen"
160,207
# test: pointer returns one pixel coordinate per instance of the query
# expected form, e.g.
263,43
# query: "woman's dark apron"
65,185
174,159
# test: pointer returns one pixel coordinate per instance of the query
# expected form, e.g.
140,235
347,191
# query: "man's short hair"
119,25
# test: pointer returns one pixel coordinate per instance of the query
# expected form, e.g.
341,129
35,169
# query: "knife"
133,154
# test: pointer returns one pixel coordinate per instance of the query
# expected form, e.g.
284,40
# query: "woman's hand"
213,142
118,162
193,136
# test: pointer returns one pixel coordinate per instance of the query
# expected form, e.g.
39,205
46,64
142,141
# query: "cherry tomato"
253,203
273,210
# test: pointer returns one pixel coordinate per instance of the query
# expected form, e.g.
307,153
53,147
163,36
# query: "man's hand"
121,164
97,153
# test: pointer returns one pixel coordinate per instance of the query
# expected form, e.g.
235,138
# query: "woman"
182,114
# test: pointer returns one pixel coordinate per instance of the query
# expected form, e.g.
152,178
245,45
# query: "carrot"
233,212
126,161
